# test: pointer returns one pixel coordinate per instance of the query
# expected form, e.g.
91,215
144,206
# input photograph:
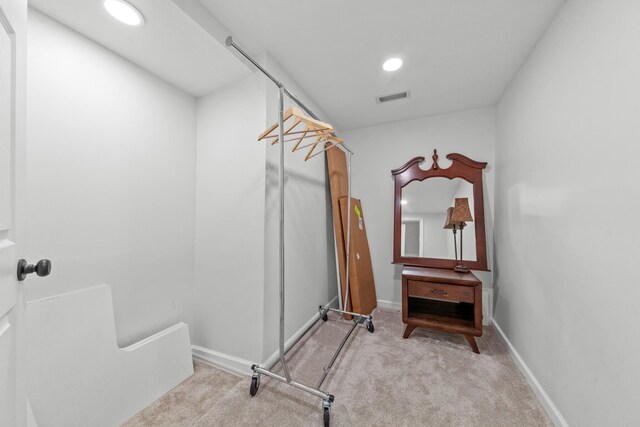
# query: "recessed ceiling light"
392,64
403,202
124,12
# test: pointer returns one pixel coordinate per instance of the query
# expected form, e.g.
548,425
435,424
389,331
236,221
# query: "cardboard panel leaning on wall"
337,172
110,180
362,286
379,149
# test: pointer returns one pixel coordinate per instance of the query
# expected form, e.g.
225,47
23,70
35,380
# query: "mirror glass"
424,212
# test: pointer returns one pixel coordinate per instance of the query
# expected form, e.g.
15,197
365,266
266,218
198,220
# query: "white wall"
230,218
110,182
236,300
112,185
379,149
566,212
434,237
310,278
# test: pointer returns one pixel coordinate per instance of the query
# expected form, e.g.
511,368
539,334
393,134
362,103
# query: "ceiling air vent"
393,97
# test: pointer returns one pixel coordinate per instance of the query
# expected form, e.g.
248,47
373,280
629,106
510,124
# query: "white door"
13,33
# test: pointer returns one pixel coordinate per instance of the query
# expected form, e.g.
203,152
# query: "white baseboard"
546,402
237,365
276,354
226,362
390,304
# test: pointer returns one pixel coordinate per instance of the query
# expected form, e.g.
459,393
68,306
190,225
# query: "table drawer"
440,291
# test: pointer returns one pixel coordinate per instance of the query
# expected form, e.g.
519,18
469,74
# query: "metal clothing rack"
357,318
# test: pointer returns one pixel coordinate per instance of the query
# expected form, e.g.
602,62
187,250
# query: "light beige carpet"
380,379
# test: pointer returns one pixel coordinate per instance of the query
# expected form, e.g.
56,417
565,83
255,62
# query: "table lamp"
457,218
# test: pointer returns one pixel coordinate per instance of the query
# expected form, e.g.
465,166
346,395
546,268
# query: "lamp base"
461,268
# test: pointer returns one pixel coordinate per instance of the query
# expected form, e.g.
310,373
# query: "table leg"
472,342
408,330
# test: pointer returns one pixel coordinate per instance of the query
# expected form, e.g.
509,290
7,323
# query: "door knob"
42,268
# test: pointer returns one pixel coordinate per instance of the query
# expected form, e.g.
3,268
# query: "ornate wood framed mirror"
421,200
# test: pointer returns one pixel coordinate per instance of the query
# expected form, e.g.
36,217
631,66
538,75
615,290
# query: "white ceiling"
458,54
170,45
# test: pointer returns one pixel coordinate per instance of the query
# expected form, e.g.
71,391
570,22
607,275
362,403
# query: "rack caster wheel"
326,413
255,384
370,327
325,317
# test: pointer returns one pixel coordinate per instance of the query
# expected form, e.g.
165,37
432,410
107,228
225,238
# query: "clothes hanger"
321,131
334,141
313,126
329,140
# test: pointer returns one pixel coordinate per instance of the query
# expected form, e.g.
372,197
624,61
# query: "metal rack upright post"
357,318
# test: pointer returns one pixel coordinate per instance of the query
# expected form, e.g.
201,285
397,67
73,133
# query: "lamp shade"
450,224
461,211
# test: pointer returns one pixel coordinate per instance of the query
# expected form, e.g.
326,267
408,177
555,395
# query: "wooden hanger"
321,131
312,128
330,142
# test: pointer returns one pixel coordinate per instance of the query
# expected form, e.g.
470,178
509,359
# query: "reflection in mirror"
424,213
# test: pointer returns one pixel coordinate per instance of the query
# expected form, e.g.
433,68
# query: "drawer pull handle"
438,292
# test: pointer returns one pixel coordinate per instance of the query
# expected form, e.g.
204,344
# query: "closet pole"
281,91
230,43
282,270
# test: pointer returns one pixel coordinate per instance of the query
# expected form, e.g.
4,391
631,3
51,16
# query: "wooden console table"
443,300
